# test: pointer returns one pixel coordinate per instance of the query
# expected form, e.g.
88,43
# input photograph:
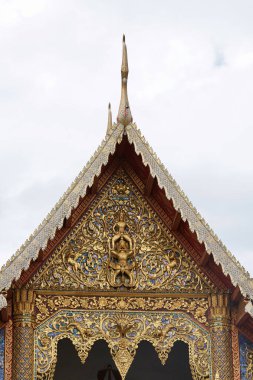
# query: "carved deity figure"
121,261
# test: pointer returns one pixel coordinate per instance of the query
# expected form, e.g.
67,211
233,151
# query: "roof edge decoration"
47,229
54,220
230,265
69,201
3,302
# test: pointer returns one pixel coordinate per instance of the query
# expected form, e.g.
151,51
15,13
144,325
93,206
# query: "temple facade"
125,259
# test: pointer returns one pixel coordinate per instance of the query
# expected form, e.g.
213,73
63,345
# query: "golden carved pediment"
123,331
120,244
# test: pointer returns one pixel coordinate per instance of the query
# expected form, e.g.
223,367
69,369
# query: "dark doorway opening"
69,366
99,364
147,365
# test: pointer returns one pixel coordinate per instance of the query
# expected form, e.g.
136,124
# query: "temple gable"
120,244
124,257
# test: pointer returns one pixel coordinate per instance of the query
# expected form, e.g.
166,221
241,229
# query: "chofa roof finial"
109,124
124,114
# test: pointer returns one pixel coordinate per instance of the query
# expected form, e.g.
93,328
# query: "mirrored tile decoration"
246,358
2,348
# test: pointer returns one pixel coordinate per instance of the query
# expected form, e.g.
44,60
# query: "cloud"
219,58
13,11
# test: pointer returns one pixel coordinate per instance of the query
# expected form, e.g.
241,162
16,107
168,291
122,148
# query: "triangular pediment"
120,243
26,261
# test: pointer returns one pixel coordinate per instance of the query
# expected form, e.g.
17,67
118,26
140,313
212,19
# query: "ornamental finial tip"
124,114
109,123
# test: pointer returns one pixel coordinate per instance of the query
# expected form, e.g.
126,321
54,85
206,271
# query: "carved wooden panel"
123,331
120,244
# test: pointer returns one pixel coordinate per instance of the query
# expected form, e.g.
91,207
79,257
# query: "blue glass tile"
2,354
244,343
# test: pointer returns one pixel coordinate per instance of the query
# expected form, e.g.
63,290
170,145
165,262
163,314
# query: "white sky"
190,92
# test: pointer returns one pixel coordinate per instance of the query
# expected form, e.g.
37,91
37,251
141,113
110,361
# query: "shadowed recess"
146,364
69,366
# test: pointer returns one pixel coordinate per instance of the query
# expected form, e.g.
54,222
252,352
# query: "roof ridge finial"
124,114
109,124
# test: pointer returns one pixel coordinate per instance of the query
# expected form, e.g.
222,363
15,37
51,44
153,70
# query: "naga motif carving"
123,331
120,243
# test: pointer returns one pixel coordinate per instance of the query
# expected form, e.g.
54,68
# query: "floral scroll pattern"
123,331
48,305
81,262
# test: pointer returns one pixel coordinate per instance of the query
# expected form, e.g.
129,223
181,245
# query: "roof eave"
39,239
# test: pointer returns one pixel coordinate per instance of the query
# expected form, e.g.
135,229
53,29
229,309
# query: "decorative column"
221,342
23,335
8,350
235,347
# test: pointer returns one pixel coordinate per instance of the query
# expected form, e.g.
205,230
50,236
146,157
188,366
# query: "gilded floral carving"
143,256
123,331
47,305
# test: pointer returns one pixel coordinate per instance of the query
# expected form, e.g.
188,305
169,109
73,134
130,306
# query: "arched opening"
68,362
98,364
147,365
123,333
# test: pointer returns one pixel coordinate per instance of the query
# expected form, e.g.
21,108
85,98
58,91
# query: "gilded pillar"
8,350
235,348
23,335
221,342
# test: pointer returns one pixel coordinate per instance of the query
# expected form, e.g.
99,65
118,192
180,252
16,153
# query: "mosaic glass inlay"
246,358
1,354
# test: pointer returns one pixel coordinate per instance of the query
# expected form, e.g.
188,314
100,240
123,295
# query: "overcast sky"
190,92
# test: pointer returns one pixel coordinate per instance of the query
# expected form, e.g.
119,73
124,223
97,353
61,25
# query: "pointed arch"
147,364
69,365
123,331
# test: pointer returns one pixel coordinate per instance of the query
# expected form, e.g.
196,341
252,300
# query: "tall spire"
109,124
124,114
